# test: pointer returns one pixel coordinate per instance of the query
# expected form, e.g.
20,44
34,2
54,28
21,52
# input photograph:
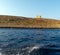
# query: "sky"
31,8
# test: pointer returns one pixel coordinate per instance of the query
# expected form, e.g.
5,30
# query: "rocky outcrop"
24,22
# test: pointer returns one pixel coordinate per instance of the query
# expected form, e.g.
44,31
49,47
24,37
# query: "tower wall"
38,17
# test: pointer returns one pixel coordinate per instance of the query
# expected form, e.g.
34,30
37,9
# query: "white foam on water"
35,48
0,53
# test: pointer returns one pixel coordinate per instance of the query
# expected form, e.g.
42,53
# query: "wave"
48,49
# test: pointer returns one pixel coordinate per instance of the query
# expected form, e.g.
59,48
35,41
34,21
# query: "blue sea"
16,41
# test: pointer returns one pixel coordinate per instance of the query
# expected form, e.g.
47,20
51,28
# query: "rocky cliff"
24,22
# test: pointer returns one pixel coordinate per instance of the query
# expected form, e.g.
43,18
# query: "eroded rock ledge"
24,22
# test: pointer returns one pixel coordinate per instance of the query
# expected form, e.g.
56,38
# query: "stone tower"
38,17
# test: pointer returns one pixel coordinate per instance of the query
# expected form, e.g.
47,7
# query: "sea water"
15,41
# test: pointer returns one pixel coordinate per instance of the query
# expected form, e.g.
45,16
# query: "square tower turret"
38,17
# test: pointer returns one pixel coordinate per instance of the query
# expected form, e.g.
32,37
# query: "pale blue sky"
31,8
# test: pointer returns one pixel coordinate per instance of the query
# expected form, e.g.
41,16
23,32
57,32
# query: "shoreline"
27,28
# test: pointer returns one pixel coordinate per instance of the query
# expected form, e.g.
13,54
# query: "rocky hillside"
24,22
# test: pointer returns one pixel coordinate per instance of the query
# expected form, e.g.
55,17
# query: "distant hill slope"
24,22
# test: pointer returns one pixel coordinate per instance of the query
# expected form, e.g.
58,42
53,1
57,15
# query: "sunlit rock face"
25,22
